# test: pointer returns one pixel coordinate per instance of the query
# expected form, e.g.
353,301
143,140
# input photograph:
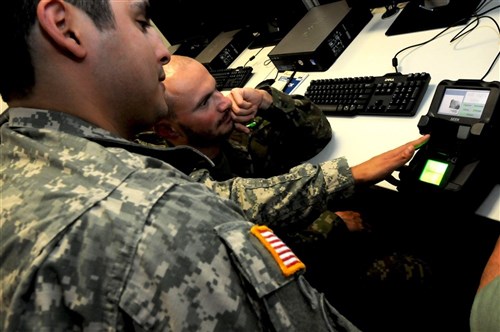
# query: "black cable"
253,56
464,32
481,5
277,73
395,58
478,8
289,80
489,10
476,20
461,33
491,67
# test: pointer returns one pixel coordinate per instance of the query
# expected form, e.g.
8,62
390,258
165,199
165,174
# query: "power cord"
464,32
491,67
461,33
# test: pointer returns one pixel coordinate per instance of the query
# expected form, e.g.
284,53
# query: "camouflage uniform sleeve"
328,224
292,200
288,133
297,115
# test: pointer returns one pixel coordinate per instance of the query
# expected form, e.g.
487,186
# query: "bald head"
198,114
186,80
178,64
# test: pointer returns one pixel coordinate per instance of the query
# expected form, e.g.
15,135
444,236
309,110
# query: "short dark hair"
17,19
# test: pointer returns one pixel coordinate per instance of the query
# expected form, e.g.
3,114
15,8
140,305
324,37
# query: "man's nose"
224,103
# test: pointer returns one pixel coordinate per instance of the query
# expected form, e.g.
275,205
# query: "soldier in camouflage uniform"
98,233
285,131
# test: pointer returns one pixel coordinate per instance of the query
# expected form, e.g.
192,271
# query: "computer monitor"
420,15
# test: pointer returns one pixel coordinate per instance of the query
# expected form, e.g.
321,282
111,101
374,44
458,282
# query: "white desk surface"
263,68
370,53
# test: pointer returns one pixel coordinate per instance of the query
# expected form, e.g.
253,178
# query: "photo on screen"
467,103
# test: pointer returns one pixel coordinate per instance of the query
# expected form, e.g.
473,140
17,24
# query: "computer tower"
320,37
225,48
193,47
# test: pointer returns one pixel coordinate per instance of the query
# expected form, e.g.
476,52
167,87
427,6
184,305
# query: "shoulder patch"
283,255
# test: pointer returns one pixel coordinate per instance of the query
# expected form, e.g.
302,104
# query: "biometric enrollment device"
462,152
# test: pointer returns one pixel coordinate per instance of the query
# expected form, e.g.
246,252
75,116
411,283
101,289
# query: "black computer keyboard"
393,94
229,78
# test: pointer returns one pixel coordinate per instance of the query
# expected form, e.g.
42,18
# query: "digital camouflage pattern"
288,133
104,237
291,131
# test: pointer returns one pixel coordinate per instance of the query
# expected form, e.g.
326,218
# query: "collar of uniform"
184,158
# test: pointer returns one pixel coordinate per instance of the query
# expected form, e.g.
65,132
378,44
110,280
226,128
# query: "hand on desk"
380,167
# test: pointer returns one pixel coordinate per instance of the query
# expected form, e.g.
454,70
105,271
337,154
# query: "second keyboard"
393,94
229,78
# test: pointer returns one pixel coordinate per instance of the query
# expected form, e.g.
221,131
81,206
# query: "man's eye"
144,24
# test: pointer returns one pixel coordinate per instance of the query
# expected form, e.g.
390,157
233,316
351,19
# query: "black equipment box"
461,155
320,37
225,48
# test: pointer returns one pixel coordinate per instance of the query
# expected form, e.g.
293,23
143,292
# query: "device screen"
467,103
433,172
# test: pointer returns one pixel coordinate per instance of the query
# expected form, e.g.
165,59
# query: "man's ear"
56,18
166,130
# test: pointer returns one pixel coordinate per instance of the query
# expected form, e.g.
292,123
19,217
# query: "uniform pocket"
266,262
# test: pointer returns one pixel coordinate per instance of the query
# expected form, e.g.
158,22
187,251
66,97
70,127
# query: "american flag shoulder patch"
283,255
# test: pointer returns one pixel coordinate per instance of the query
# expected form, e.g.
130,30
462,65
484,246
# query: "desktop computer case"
320,37
225,48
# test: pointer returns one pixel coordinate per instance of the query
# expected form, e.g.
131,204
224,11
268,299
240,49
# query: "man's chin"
225,130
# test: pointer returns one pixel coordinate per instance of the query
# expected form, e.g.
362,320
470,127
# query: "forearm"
305,125
297,197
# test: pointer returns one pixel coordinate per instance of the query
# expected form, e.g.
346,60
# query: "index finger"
418,143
